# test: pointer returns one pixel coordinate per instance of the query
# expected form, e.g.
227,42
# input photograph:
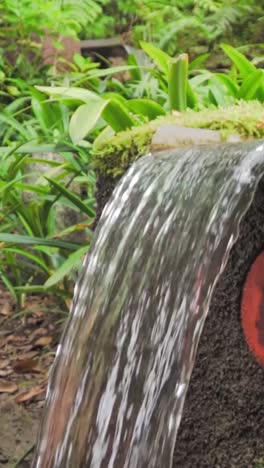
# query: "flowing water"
123,367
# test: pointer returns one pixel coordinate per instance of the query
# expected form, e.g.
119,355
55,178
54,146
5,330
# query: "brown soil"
223,419
27,349
17,433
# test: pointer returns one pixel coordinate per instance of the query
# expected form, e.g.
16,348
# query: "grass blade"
72,262
28,240
73,198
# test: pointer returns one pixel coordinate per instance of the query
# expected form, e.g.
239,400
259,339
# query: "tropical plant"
180,25
39,183
244,81
24,24
178,86
36,242
70,122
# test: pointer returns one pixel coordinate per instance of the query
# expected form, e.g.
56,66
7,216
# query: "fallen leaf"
8,387
25,349
5,372
38,314
26,366
16,339
5,309
2,342
30,394
39,332
4,363
27,356
43,341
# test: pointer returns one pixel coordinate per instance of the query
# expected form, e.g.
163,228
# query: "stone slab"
173,136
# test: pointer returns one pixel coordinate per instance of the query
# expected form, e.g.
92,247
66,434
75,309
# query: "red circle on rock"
252,309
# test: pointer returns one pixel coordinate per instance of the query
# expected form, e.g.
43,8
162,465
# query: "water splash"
121,374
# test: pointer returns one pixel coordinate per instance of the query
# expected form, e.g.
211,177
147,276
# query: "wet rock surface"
224,411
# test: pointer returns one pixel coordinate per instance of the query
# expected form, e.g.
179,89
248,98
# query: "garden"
85,84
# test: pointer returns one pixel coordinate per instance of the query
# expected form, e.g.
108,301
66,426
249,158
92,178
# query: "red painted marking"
252,309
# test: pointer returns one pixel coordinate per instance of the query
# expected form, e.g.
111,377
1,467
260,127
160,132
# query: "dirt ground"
27,349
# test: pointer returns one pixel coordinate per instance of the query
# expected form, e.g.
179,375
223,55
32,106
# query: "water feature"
122,370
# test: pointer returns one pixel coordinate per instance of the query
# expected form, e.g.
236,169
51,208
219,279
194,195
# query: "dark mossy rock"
224,413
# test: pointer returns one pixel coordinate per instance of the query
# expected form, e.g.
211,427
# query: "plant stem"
177,83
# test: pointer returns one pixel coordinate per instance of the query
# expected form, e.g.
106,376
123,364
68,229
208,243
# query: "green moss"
117,154
260,463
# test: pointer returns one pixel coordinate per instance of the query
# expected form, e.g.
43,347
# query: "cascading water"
122,370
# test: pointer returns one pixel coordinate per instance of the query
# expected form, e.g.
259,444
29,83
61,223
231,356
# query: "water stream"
122,370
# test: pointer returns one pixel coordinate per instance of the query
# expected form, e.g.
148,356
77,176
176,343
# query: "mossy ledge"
114,156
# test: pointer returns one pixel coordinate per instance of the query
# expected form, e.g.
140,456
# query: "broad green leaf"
146,107
135,73
48,114
160,58
244,66
192,98
117,116
216,95
260,94
72,261
196,81
118,97
250,85
80,94
73,198
85,119
112,71
227,81
198,61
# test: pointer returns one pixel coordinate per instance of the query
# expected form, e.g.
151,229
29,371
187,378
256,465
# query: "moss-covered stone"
119,152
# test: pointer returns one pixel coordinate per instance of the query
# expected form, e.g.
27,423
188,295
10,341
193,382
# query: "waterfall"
123,366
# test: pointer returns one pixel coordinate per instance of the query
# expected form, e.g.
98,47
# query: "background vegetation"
182,55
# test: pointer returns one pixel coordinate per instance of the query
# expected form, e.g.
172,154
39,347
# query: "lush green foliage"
180,25
71,123
34,209
23,25
40,212
68,115
176,87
